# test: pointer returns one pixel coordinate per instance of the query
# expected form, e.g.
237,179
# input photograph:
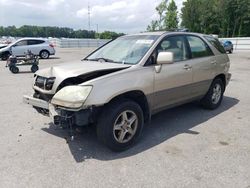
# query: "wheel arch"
223,79
140,98
44,50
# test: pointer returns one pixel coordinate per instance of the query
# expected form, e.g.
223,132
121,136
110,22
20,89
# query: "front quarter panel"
108,87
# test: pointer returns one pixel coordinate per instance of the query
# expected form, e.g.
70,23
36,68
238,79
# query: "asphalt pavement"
182,147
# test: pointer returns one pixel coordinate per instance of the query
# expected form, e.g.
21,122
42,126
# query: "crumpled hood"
4,49
73,69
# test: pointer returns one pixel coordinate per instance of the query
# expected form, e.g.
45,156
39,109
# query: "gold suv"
122,84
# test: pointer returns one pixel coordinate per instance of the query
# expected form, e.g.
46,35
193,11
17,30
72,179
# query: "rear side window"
198,47
216,43
34,42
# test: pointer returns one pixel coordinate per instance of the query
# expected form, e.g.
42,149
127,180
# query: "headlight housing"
71,96
49,83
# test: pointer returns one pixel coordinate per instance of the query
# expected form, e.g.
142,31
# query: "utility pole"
89,16
97,31
97,35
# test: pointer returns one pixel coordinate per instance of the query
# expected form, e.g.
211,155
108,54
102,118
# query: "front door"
20,48
172,81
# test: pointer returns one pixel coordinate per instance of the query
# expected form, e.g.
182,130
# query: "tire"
10,68
114,128
34,68
14,70
44,54
214,96
230,51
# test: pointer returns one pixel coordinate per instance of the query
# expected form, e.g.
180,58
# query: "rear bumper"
52,51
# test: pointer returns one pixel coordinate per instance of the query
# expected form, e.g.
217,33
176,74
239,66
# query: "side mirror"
165,58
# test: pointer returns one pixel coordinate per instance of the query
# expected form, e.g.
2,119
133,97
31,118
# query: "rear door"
34,46
203,61
172,81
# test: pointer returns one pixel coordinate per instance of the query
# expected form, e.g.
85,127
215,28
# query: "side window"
22,43
34,42
198,47
216,43
176,45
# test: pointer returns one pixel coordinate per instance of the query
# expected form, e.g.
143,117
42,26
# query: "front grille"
44,83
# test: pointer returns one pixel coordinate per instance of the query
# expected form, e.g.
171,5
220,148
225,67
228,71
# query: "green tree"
191,13
153,26
110,35
171,19
227,18
159,24
38,31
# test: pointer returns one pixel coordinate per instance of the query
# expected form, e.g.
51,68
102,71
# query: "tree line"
58,32
227,18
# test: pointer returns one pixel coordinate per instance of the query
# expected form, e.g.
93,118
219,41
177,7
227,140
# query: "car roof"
159,33
31,38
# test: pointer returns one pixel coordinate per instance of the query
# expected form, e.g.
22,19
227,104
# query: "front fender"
108,87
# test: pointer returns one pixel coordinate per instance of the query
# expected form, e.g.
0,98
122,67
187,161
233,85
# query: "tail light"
51,45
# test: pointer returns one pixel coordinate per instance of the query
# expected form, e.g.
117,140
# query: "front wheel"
214,96
120,124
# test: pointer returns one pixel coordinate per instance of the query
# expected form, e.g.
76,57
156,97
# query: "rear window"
216,43
198,47
34,42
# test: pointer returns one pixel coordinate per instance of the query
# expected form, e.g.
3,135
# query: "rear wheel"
214,96
120,125
44,54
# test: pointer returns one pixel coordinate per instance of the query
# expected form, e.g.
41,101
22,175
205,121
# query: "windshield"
126,50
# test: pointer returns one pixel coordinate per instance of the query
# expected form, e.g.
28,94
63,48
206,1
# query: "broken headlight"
71,96
49,83
45,83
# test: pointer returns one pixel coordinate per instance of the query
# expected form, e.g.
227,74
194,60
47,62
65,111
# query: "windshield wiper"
102,59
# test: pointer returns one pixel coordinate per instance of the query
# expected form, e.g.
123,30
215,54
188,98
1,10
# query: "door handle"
187,67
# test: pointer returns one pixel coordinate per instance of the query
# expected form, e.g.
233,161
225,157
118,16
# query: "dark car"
228,45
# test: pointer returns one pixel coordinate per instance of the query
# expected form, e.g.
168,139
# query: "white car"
41,47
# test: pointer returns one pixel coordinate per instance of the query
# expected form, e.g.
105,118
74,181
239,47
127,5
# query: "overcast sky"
126,16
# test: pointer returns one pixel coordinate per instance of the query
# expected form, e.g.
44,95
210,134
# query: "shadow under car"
162,127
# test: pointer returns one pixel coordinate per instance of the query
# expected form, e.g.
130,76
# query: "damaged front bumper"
36,102
62,116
